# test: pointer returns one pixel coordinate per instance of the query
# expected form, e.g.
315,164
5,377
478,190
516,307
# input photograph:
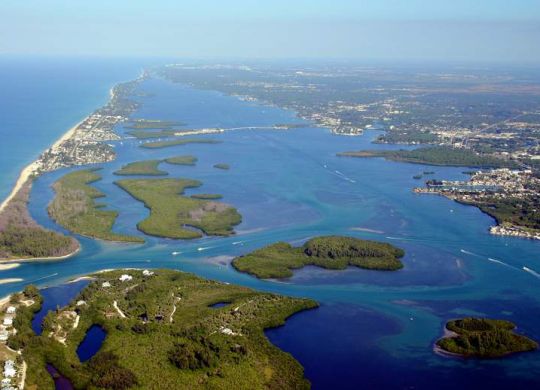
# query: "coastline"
39,259
28,171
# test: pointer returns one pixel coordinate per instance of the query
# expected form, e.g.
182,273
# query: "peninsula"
162,329
509,196
330,252
483,338
436,155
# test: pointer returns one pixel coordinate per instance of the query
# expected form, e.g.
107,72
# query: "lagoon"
372,329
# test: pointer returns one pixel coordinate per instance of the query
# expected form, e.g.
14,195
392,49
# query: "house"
4,334
11,310
9,369
125,278
106,284
80,303
8,321
147,273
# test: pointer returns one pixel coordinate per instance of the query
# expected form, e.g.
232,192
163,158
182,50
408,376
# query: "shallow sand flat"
10,280
8,266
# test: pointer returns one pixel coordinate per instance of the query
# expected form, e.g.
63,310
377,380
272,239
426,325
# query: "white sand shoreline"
38,259
31,168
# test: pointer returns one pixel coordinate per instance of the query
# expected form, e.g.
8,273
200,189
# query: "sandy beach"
32,168
5,267
37,259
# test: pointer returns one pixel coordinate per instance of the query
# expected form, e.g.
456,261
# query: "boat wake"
202,248
176,253
532,272
44,277
500,262
470,253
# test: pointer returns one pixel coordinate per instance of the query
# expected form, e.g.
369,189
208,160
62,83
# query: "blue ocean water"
373,329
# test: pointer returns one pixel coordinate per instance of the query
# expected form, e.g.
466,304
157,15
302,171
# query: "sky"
505,31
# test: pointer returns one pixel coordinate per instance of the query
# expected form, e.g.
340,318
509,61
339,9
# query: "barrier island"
483,338
161,333
182,160
149,124
21,237
185,141
147,167
436,155
74,207
173,215
331,252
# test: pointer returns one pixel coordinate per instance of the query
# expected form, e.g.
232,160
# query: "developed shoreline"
29,170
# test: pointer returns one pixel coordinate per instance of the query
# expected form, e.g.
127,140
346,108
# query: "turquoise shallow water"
373,328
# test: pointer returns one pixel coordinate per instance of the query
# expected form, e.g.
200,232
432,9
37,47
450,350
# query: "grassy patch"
332,252
147,167
74,207
184,141
144,134
182,160
171,214
169,338
484,338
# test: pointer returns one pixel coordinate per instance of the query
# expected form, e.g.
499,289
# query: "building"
125,278
9,369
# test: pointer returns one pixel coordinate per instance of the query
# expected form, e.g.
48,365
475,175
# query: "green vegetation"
182,160
153,124
436,155
207,196
33,242
147,167
222,166
332,252
184,141
484,338
407,137
511,211
74,207
21,237
162,334
173,215
144,134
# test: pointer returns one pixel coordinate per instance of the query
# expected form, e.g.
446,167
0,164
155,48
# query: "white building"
8,321
11,310
9,369
147,273
105,284
125,278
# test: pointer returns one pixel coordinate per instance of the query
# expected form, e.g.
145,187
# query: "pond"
94,338
56,297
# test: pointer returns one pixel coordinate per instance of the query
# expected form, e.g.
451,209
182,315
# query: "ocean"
373,329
